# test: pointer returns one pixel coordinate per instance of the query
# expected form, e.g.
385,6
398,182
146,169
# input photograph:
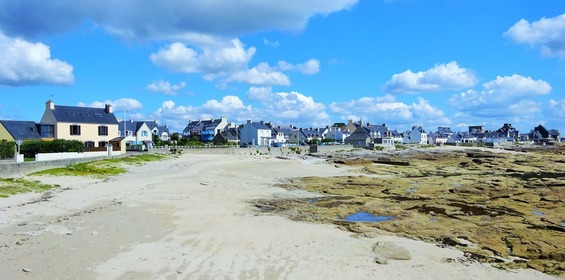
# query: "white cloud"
228,62
441,77
547,34
274,44
288,107
165,87
210,60
117,105
310,67
170,19
226,105
25,63
262,74
386,109
556,109
508,95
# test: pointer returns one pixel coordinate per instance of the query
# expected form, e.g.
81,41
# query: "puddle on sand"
562,224
537,213
366,217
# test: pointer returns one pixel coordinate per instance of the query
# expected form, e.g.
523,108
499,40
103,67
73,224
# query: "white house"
416,136
136,133
255,133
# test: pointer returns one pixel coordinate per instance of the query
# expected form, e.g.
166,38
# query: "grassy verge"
102,168
11,186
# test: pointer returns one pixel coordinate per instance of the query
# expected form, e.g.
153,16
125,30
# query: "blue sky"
308,63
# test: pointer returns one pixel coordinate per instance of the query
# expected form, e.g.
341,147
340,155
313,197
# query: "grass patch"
11,186
102,168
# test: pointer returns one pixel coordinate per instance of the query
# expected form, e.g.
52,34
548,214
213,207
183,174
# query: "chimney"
49,105
384,124
108,108
368,124
261,122
248,121
211,119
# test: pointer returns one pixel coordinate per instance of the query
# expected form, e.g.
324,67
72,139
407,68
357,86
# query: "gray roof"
74,114
21,129
259,125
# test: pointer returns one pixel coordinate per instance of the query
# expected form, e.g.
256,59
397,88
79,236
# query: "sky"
308,63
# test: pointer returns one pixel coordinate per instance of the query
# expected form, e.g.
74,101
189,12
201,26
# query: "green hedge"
7,149
31,147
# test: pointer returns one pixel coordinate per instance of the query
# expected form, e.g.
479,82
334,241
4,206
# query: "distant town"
98,128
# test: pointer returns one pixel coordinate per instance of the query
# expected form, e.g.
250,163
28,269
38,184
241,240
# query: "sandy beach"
190,218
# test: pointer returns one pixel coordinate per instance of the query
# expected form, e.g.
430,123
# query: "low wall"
13,169
262,150
57,156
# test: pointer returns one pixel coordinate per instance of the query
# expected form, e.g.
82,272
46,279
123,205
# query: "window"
144,134
46,131
75,129
129,133
102,144
89,144
102,130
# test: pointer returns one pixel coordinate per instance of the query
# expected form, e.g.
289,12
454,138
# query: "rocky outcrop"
503,207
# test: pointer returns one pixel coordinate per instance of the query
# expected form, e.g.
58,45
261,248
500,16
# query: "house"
508,131
255,133
542,135
474,129
227,135
336,135
381,134
416,136
455,139
96,127
136,133
298,137
204,130
19,130
437,138
351,126
360,138
161,131
281,134
313,134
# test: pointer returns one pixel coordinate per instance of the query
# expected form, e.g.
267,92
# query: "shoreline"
190,218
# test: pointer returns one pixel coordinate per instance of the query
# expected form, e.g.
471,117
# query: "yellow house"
18,130
96,127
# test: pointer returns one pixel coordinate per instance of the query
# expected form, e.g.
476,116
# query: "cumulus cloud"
287,107
547,34
165,87
26,63
212,60
171,19
118,104
508,95
228,62
556,108
441,77
386,109
262,74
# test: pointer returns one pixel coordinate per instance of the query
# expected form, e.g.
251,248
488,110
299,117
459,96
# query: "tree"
340,125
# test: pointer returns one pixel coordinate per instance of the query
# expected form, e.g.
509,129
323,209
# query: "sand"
190,218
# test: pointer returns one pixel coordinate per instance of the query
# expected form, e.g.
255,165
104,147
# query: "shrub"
7,149
30,148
